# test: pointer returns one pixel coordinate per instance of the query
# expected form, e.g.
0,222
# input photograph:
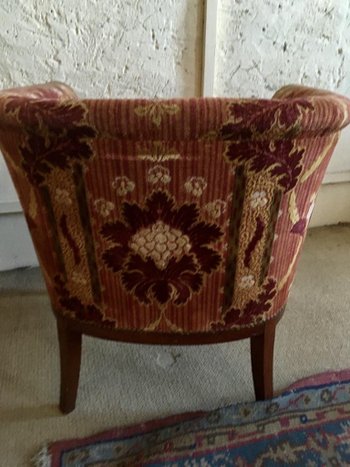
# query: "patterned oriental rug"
307,425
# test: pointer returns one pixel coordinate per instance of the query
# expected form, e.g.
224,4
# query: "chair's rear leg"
261,348
70,357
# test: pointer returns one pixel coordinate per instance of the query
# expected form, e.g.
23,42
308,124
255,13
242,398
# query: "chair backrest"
179,215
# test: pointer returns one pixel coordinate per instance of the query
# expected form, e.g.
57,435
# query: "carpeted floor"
124,384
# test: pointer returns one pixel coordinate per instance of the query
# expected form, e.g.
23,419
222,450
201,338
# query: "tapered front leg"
261,348
70,358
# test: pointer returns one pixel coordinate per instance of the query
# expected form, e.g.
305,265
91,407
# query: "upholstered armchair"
168,221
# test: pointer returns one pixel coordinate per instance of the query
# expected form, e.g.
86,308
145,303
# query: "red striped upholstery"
181,215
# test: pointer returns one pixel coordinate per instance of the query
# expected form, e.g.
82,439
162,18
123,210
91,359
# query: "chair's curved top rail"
293,111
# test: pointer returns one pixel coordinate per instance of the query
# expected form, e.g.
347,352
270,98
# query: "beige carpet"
122,383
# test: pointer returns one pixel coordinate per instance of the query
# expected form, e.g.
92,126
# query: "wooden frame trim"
70,332
209,47
156,338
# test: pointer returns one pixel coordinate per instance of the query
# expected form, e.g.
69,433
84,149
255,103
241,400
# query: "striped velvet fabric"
182,215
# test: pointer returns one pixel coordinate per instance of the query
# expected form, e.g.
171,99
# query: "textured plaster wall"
120,48
262,45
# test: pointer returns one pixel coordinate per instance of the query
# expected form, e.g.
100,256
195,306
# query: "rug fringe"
43,458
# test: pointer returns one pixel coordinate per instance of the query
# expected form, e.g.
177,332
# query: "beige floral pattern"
258,199
160,242
195,186
103,207
247,282
159,174
79,278
156,111
157,151
123,185
62,196
216,208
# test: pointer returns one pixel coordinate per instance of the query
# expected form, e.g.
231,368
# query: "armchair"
168,221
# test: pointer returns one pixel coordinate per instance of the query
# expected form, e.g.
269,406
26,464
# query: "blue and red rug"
307,425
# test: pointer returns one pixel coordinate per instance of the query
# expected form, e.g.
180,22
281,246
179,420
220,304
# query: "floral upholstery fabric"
183,215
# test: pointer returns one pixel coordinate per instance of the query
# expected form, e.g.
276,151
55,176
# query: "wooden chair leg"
70,358
261,348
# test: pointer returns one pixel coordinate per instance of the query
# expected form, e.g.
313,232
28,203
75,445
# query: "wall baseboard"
332,205
16,247
10,207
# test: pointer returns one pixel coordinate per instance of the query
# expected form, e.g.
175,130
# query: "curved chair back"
182,215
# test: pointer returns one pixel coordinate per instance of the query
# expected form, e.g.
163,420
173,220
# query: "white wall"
332,205
129,48
16,247
126,48
262,45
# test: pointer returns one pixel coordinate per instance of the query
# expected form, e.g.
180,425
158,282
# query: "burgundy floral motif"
58,135
161,251
300,226
252,311
261,116
86,312
281,158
